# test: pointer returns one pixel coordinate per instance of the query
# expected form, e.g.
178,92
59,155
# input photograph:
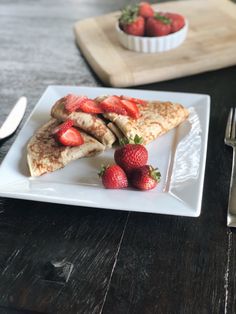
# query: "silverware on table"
14,118
230,139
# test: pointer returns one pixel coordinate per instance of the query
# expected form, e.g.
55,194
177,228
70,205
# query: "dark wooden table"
120,262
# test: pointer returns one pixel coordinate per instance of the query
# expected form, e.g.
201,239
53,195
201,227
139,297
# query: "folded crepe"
156,118
90,123
45,154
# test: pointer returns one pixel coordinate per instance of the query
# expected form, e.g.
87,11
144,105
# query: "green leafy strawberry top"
136,140
155,173
162,18
128,14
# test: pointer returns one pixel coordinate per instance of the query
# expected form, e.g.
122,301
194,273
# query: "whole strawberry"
131,156
159,25
177,21
145,178
131,23
113,177
145,9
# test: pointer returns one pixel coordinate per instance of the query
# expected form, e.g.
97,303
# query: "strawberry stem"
162,18
128,14
102,170
155,173
136,140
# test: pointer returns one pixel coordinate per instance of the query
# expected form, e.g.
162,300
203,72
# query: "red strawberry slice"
91,106
136,100
67,135
60,129
73,102
71,137
113,104
131,108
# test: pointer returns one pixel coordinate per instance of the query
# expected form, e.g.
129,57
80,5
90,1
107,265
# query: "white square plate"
180,155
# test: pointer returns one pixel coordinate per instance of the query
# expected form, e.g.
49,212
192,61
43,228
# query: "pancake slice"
115,130
156,118
45,154
90,123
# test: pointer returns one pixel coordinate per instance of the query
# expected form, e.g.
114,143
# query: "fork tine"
233,125
229,123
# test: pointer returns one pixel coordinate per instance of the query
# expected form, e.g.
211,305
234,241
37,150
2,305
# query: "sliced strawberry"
136,100
131,108
70,137
91,106
113,104
73,102
61,128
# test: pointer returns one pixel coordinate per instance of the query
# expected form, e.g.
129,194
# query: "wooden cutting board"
210,45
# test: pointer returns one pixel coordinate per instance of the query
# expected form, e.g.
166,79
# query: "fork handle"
231,219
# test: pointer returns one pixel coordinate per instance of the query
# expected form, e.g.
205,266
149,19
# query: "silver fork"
230,139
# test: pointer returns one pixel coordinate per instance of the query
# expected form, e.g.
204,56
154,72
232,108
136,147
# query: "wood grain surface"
210,45
107,261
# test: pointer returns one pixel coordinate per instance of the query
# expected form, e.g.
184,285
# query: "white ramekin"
152,44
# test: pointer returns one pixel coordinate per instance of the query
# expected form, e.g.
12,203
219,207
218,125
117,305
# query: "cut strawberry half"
113,104
60,129
91,106
70,137
136,100
131,108
73,102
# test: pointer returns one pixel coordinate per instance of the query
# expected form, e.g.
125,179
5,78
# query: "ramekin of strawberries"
130,168
142,29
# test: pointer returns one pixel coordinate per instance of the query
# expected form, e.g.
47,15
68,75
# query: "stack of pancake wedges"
99,131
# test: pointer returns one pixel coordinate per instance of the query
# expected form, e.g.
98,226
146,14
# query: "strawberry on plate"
131,108
73,102
145,10
91,106
136,100
177,21
113,104
61,128
130,22
113,177
159,25
119,105
67,135
131,156
145,178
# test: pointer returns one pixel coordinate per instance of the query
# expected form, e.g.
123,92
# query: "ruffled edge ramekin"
152,44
